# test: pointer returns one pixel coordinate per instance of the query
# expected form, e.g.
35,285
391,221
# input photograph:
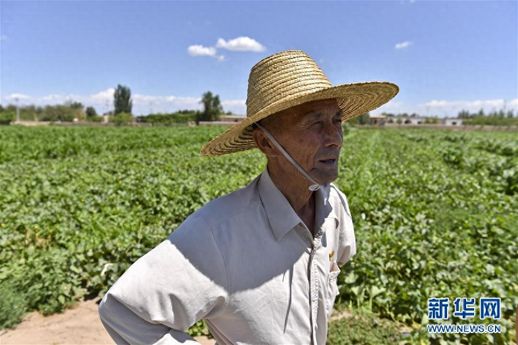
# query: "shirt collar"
281,216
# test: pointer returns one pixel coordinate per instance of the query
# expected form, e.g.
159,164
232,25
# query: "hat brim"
353,99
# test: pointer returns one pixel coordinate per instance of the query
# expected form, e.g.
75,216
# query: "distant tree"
75,105
121,119
431,120
360,120
90,112
211,107
76,109
364,119
463,114
122,102
58,112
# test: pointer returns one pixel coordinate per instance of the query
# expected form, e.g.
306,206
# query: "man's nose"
333,135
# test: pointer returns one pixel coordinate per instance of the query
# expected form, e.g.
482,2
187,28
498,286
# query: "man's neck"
296,191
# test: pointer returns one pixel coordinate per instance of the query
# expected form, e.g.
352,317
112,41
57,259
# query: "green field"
435,215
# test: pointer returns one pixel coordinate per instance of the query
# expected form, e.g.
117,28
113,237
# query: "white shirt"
246,264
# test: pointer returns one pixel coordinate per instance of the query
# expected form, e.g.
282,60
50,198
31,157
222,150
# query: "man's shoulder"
338,199
218,213
228,206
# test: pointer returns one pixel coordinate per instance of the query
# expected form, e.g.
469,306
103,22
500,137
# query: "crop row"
79,205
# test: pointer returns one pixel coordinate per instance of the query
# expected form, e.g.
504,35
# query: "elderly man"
258,265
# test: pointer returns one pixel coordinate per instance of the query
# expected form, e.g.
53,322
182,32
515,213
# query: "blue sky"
444,55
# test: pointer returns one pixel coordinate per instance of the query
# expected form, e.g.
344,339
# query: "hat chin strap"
314,184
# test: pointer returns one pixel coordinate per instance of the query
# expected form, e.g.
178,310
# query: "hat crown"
283,76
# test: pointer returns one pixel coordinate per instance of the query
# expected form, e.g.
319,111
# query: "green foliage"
122,102
170,119
494,118
360,120
433,217
90,112
432,120
491,121
12,305
121,119
7,117
434,212
54,113
57,113
75,105
199,328
95,119
211,107
362,329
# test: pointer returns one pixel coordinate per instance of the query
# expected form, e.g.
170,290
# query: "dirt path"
76,326
80,325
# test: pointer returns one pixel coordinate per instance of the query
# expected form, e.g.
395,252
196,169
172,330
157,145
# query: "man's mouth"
330,161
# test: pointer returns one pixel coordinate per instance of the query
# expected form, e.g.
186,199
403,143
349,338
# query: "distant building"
452,121
224,120
377,120
231,118
414,121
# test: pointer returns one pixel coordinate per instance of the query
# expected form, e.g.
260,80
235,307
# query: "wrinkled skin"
312,135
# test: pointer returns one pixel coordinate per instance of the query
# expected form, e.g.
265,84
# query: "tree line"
122,111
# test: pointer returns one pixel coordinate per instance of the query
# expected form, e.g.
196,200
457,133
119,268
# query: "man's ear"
262,142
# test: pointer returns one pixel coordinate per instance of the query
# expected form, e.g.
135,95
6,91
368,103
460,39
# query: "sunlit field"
434,213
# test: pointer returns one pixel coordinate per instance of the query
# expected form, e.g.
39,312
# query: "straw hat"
288,79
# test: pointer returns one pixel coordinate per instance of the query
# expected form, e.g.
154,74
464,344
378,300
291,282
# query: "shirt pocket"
332,288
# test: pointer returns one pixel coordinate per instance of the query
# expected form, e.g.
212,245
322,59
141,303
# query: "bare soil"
79,325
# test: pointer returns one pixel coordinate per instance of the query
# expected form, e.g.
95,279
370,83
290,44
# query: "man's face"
312,135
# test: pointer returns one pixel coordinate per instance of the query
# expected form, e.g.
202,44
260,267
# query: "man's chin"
326,177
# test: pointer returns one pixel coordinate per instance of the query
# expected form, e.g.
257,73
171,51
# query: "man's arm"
166,291
347,240
126,327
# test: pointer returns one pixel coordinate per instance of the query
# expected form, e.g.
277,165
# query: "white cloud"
393,106
184,102
144,98
448,108
199,50
58,98
102,96
455,106
241,44
144,104
237,106
403,45
19,96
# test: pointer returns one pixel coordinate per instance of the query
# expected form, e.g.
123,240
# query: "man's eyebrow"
314,114
310,115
